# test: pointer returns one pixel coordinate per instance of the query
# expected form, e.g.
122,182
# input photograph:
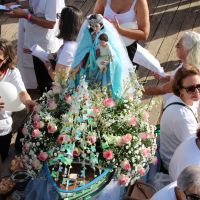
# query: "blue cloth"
118,68
40,189
112,77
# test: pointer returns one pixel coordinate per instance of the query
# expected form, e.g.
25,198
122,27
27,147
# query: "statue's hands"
98,52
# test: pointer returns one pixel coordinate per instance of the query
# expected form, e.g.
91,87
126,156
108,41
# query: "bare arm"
58,68
142,14
158,90
40,21
26,100
99,7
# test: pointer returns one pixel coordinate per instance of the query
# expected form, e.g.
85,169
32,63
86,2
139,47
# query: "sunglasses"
192,196
192,88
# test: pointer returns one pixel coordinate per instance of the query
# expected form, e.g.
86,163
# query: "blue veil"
119,67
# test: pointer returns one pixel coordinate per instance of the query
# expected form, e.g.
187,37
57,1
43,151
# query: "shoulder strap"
133,4
108,2
182,104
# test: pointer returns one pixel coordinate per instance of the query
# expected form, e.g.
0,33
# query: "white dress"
105,56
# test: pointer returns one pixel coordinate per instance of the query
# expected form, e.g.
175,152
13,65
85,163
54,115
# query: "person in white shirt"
188,51
8,73
41,29
70,22
188,153
179,119
187,186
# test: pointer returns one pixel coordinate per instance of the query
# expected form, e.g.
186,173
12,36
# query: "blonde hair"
191,42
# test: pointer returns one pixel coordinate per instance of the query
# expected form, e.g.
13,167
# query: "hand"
1,104
10,4
158,77
18,13
47,65
116,24
30,104
28,51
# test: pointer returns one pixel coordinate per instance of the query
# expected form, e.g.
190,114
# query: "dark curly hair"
180,75
71,19
9,54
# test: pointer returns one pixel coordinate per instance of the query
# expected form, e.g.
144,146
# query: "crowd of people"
59,29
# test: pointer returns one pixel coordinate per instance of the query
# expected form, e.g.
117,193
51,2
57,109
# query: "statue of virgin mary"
118,69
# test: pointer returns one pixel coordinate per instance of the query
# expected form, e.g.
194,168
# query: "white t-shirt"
46,38
14,77
66,53
186,154
167,193
178,123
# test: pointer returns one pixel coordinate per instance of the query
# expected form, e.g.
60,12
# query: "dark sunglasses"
192,88
192,196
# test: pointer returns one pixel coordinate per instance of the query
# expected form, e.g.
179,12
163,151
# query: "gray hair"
190,176
191,42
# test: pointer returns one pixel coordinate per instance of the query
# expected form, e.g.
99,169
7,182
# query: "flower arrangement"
90,127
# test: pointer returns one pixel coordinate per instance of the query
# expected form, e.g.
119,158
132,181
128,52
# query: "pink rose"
145,116
36,108
119,142
96,110
56,88
76,152
36,124
36,117
36,164
108,102
126,138
126,165
141,170
68,99
61,139
52,128
123,179
108,155
42,156
143,136
25,131
133,121
36,133
91,139
146,152
41,124
52,105
155,160
26,147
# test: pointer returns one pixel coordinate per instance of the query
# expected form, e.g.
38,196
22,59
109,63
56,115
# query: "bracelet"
29,16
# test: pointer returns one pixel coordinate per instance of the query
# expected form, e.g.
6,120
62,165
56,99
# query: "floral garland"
89,126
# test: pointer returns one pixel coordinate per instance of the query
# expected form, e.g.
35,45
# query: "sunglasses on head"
192,88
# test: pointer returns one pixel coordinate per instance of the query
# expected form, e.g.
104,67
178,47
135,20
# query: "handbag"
139,191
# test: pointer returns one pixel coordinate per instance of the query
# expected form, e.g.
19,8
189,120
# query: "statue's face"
103,43
96,27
